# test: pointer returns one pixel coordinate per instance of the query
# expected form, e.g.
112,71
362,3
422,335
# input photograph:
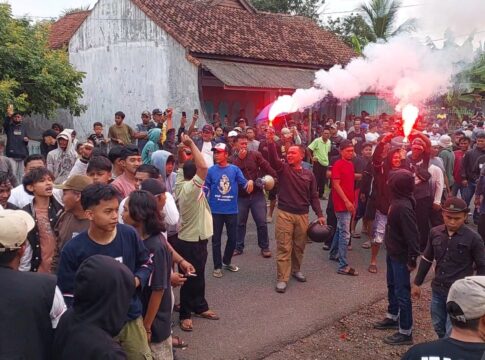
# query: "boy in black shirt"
466,308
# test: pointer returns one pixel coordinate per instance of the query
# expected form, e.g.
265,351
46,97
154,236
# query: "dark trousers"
219,220
481,226
423,215
399,295
331,218
436,218
255,202
320,173
172,239
192,292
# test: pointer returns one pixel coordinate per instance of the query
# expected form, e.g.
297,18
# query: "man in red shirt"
343,179
464,146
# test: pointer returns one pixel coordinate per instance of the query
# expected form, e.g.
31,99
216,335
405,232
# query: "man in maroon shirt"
298,191
464,146
343,180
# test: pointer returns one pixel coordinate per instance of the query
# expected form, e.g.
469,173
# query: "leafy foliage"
381,16
352,29
308,8
34,78
70,11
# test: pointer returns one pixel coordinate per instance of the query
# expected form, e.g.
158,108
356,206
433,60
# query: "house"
215,55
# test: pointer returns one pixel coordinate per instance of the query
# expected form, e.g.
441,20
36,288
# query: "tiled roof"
64,28
225,32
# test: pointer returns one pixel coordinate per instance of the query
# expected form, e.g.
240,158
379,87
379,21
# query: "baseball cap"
76,183
469,296
455,205
237,129
157,111
220,147
146,113
435,126
232,133
14,227
207,128
153,186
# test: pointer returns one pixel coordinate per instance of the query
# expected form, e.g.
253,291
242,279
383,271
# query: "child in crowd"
98,139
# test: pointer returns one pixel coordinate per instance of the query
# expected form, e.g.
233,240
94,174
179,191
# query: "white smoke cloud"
403,70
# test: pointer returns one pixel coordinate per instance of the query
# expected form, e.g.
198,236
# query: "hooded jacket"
159,159
60,162
151,146
102,291
401,237
16,147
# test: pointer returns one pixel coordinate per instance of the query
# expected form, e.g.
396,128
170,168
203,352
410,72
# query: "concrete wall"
131,65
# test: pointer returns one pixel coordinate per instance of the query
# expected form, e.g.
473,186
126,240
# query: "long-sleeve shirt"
252,166
469,171
455,256
297,188
126,248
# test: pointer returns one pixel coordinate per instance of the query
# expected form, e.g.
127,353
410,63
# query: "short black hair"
115,153
93,194
345,144
35,176
143,208
34,157
470,324
366,144
465,138
97,123
242,136
7,256
189,170
4,178
121,114
99,163
459,132
481,135
129,150
57,125
149,169
326,127
480,124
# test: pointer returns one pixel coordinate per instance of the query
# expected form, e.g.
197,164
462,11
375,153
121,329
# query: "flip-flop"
208,315
350,272
356,236
372,269
366,245
178,343
187,328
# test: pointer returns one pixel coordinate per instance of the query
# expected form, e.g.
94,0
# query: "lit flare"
284,104
409,116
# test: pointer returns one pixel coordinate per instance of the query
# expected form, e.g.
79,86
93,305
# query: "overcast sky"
410,8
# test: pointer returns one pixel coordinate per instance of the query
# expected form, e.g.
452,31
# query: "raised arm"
197,156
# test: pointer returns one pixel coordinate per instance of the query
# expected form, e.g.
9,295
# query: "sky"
39,9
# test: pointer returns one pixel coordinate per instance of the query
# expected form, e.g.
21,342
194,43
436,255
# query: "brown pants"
291,238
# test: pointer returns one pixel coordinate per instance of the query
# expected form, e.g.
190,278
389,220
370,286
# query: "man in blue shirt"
222,186
121,242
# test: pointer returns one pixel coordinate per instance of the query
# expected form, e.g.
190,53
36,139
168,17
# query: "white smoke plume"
403,70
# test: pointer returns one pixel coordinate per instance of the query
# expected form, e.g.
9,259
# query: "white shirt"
58,308
19,197
207,153
437,182
170,210
342,133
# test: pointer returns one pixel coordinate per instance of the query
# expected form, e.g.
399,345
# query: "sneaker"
398,339
269,219
230,267
217,273
298,275
326,247
280,287
266,253
386,324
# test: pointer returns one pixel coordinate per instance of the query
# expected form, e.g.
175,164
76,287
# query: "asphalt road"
256,321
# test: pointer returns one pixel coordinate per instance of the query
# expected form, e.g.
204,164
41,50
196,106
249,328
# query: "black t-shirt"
360,140
449,349
360,164
159,280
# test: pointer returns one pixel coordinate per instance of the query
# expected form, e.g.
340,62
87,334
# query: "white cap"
469,295
14,227
232,133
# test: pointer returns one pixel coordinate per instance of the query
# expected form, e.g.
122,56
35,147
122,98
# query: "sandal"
372,269
178,343
355,236
366,245
349,272
186,325
210,315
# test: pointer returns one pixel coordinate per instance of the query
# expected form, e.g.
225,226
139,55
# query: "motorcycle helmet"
319,233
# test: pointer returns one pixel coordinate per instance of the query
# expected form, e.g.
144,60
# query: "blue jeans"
399,295
468,192
341,238
439,316
218,220
255,202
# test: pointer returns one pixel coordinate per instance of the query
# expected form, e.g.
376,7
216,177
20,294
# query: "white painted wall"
131,65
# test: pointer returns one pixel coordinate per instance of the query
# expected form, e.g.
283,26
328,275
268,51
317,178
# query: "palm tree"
381,16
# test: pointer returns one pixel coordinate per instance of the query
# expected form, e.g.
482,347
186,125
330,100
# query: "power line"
359,10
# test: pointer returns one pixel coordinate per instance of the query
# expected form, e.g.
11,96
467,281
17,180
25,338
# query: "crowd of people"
111,225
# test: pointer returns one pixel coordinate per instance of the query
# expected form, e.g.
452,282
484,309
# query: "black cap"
455,205
157,112
207,128
154,186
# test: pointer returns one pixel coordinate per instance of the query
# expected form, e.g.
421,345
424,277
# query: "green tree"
381,17
352,29
34,78
308,8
